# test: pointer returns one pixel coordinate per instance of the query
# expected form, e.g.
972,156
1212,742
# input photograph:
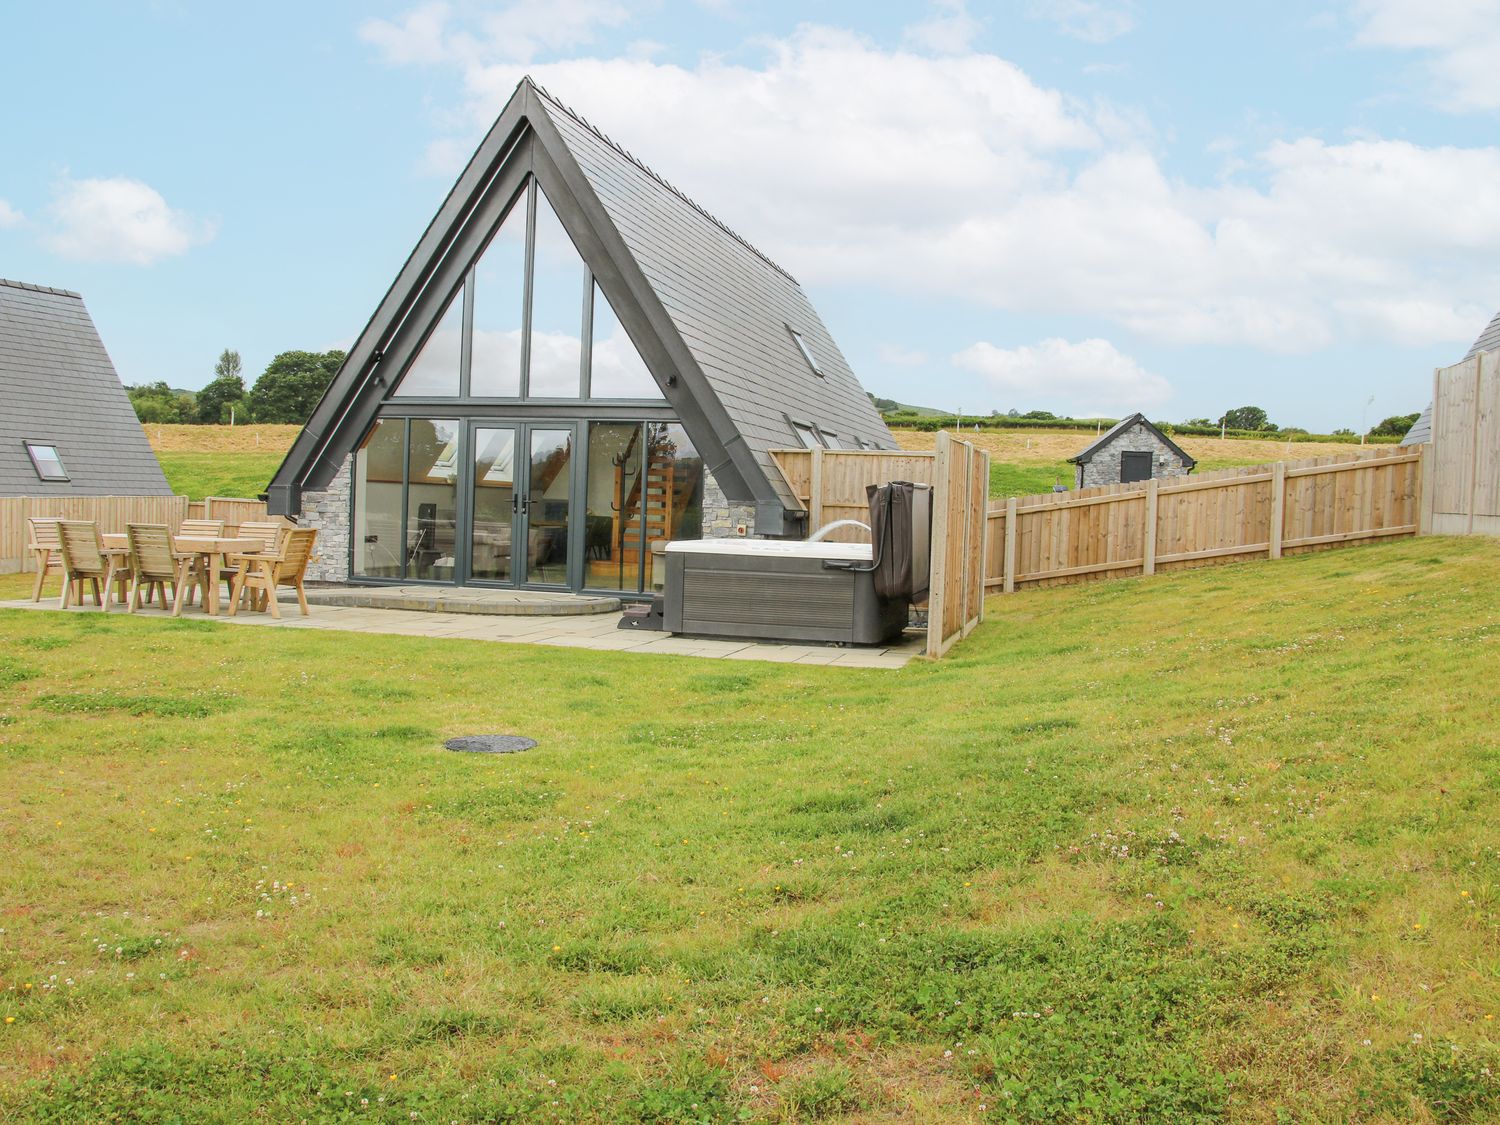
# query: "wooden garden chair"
202,527
46,547
269,534
84,559
157,565
266,571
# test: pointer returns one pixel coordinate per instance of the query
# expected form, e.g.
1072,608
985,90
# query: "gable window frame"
39,464
807,353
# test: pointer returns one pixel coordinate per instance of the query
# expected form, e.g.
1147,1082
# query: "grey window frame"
36,465
802,431
807,353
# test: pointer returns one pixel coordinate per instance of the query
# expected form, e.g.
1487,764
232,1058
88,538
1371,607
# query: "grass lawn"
1215,845
241,474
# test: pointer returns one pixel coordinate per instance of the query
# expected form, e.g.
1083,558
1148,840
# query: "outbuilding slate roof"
1488,341
722,311
1119,428
59,388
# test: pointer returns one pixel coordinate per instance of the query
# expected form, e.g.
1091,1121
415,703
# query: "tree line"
285,392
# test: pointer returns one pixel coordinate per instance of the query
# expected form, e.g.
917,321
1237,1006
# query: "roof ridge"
644,167
39,288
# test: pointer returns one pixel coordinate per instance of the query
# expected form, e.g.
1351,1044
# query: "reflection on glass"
616,367
434,371
548,489
557,289
673,494
612,539
499,283
494,504
377,493
431,498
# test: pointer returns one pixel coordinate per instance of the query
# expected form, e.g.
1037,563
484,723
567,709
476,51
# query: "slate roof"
728,308
1119,428
731,304
58,387
1488,341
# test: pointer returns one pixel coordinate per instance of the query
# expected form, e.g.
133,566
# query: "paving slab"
598,632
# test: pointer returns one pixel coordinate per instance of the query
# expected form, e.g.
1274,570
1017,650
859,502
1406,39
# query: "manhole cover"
490,744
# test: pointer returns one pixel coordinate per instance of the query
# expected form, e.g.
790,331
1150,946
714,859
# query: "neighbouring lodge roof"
59,391
717,321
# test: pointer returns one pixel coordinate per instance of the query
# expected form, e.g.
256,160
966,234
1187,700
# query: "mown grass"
1216,845
238,473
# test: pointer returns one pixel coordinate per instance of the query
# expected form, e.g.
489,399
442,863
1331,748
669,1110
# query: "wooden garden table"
212,549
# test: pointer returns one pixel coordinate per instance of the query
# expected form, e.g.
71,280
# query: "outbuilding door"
1134,466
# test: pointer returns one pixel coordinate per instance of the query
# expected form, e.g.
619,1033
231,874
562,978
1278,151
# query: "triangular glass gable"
499,295
434,371
557,289
616,369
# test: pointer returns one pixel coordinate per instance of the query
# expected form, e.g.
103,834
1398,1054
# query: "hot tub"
775,589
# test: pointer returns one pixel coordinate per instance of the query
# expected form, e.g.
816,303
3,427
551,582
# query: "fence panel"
1464,496
1219,517
112,513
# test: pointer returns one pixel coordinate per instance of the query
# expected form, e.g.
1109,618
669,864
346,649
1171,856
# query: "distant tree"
1040,415
1198,422
292,384
157,402
227,390
1247,418
1343,431
1396,425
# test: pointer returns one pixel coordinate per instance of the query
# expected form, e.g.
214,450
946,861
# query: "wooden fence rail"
1264,511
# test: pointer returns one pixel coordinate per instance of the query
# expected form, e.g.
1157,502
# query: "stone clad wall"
329,512
1105,466
720,517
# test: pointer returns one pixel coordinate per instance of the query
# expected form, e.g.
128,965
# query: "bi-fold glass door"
521,503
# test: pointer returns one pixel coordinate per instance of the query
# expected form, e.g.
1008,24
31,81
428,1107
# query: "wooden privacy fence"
831,483
1260,511
1463,484
111,513
231,510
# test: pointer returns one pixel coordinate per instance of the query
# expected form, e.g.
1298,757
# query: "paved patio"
592,631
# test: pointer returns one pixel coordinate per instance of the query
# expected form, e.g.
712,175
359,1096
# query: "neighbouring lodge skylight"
807,353
566,343
46,461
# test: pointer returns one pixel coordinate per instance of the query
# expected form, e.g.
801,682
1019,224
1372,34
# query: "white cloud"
1089,20
961,178
948,31
898,355
1084,379
516,32
1462,38
9,216
119,220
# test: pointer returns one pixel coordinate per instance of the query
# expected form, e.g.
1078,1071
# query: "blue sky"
1074,205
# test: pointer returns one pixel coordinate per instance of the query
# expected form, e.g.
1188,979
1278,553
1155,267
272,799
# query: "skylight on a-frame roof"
807,353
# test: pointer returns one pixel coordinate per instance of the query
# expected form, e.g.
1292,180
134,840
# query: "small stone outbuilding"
1131,450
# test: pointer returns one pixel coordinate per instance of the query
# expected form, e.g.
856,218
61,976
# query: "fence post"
1008,567
1425,477
942,480
1148,561
815,486
1278,507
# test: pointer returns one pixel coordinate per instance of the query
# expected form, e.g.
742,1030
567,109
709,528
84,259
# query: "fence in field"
111,513
1462,495
1259,511
831,483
